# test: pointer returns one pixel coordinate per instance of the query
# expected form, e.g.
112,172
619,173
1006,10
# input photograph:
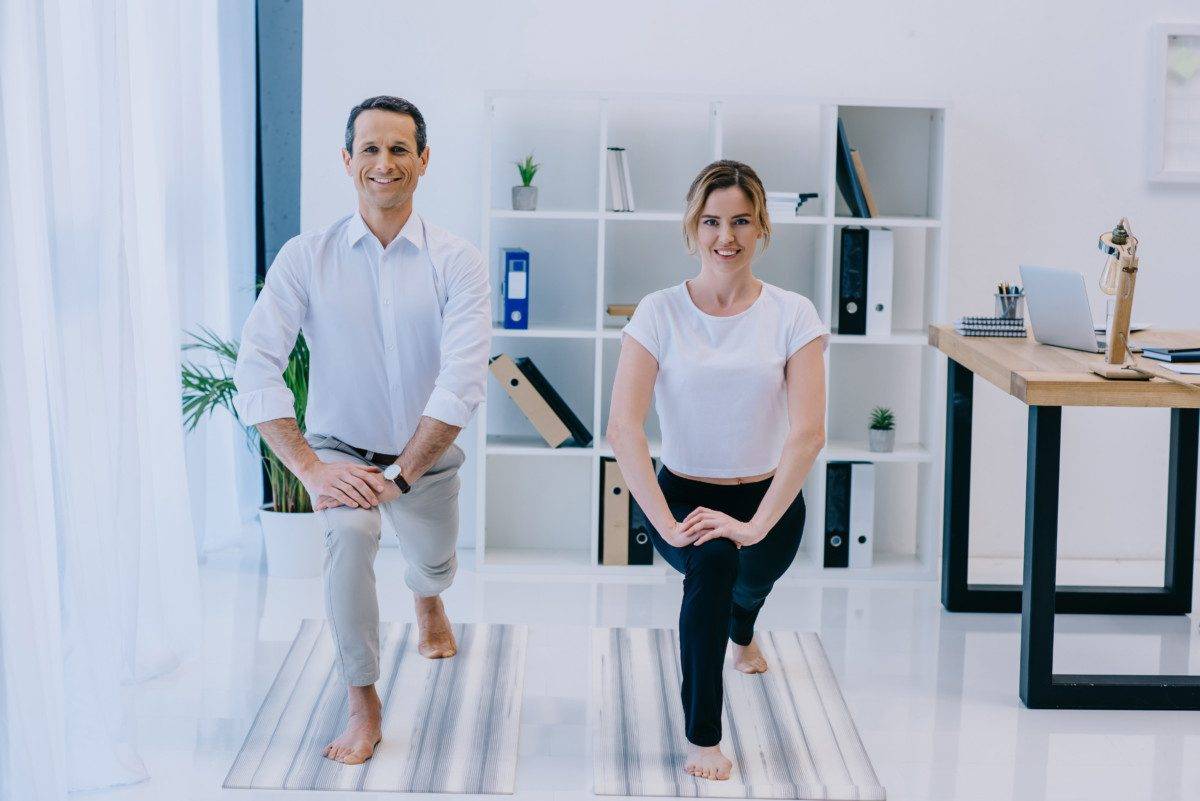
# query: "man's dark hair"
386,103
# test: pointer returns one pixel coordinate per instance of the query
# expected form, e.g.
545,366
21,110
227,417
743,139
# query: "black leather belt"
380,459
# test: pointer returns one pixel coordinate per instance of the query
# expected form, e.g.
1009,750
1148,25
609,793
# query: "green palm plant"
206,389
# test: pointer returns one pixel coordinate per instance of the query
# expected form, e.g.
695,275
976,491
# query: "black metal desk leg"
1181,507
957,594
1041,550
1041,688
956,497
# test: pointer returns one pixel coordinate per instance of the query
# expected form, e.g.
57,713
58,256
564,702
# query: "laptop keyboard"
1133,345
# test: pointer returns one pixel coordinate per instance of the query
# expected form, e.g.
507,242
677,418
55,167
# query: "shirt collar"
413,230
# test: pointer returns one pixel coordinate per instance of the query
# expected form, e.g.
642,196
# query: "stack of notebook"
1188,354
1181,360
986,326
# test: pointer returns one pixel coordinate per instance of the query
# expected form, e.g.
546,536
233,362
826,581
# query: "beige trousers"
426,523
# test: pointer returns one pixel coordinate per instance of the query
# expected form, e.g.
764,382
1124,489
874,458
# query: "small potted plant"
882,433
524,197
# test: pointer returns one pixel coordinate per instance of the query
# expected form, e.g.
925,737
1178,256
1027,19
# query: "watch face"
391,471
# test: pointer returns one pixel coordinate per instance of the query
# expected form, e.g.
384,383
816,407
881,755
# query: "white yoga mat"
449,725
788,731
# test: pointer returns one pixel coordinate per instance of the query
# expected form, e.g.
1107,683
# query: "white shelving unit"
537,508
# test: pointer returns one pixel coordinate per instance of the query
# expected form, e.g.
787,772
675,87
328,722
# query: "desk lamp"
1118,278
1119,247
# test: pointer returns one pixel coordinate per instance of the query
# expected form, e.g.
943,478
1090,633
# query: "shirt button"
387,301
391,347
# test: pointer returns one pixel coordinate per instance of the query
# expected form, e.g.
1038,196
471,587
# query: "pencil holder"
1010,305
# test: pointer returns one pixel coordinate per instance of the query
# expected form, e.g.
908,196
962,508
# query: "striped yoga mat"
788,730
449,725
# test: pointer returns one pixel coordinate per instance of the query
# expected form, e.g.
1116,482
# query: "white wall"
1048,135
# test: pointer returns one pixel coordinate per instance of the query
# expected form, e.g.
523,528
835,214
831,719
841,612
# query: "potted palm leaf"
292,533
524,197
882,434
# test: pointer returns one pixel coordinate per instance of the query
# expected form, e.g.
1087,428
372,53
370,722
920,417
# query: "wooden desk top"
1043,375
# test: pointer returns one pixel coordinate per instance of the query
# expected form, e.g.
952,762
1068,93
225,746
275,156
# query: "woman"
737,371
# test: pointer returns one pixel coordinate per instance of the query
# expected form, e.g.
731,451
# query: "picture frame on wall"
1174,130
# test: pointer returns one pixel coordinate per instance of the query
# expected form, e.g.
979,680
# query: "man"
396,314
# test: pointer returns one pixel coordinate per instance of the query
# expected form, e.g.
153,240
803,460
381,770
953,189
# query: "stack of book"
990,326
619,187
786,204
1180,360
620,309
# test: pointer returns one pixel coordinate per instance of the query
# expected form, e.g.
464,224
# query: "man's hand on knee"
347,484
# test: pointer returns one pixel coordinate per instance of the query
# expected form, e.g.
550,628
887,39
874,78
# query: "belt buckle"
369,456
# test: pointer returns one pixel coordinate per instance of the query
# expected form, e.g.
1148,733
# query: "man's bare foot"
437,636
363,732
707,763
748,659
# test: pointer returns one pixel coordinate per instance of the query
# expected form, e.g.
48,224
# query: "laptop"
1058,309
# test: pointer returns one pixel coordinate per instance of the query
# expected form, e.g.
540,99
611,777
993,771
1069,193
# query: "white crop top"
720,392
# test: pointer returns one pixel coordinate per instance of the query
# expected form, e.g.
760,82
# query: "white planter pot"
295,543
881,441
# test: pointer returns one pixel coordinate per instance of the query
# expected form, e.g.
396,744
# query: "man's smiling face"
385,165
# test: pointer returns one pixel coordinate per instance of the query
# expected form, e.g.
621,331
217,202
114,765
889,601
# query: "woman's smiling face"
727,235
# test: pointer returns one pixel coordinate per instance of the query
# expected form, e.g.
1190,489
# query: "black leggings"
724,587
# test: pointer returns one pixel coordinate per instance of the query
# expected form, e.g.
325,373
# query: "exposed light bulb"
1110,275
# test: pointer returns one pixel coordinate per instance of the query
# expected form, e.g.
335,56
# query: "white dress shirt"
393,333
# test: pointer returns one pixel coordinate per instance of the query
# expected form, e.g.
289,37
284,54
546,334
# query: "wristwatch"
392,473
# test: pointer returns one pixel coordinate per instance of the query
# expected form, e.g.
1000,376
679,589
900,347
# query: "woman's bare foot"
748,659
707,763
436,635
363,733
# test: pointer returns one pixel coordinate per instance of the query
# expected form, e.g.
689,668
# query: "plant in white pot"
882,433
292,533
524,197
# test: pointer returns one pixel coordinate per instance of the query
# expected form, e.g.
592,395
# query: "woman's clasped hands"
704,524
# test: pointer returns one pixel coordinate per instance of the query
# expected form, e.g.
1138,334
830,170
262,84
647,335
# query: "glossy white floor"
934,694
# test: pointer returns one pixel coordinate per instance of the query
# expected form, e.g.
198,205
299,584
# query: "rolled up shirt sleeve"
267,341
466,338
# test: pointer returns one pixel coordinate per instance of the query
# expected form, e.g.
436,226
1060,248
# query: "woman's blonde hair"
720,175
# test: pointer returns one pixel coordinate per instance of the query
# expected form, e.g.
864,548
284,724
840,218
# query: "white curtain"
210,240
114,204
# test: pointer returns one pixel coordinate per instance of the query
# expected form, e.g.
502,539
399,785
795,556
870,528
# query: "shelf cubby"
666,141
641,257
751,132
562,270
901,149
862,377
537,504
910,265
895,524
567,364
564,138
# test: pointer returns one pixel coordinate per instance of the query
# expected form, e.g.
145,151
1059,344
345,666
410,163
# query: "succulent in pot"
882,432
